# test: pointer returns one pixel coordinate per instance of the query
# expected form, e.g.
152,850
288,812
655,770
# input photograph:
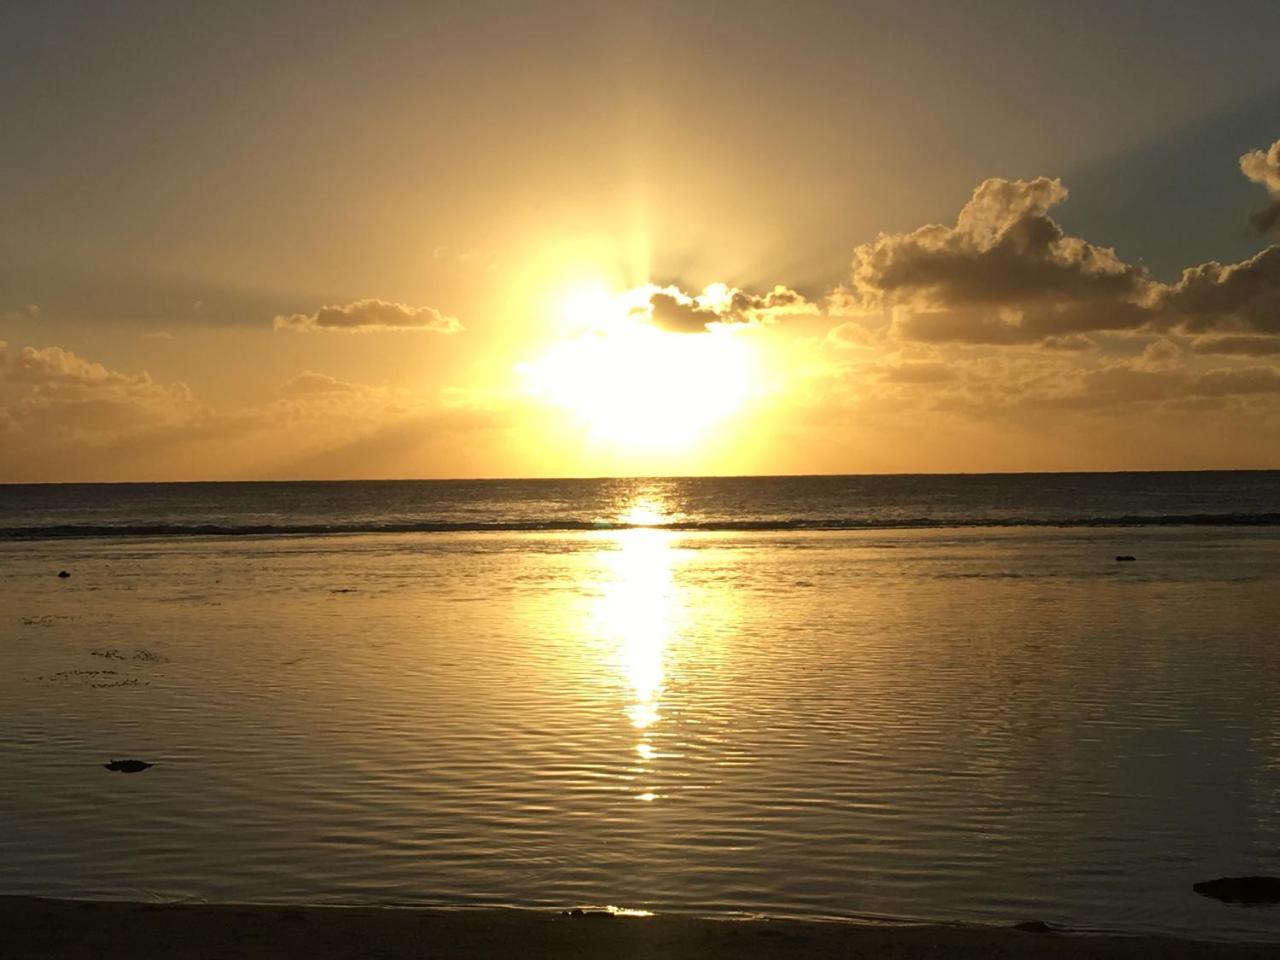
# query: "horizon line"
641,477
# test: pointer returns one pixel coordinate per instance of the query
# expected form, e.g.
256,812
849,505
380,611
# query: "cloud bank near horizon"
369,315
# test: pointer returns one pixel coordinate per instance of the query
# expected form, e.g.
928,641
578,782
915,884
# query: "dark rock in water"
1125,559
63,574
1241,889
127,766
1035,926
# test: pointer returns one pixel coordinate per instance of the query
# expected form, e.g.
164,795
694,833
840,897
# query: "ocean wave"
93,531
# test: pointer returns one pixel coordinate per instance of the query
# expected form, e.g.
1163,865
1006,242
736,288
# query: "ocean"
912,697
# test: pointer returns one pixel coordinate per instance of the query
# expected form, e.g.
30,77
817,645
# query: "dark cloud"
1007,274
780,299
1266,219
1240,296
1122,384
369,315
1240,381
1072,342
679,315
1239,346
677,312
1061,323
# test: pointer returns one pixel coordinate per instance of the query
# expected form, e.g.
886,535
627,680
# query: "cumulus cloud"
1263,167
364,316
1239,296
1005,273
50,397
671,309
50,369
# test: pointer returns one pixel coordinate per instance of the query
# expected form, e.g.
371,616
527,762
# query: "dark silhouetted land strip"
54,930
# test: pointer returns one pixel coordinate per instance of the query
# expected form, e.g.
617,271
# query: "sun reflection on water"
636,614
636,607
644,512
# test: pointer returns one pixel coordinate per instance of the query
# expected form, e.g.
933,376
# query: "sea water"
903,697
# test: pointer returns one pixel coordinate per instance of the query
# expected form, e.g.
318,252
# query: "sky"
279,240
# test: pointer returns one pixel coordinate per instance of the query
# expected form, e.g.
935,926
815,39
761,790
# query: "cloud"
746,307
310,384
1263,167
27,311
52,398
675,311
852,335
364,316
1160,354
917,371
1266,219
1124,383
64,416
1237,296
55,366
1239,346
1005,273
1073,342
1235,382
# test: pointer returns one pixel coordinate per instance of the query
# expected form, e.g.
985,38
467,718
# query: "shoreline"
53,929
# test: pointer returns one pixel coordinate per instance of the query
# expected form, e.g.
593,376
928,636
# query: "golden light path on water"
637,614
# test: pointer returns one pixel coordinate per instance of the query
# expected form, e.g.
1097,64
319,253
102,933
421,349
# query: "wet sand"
54,930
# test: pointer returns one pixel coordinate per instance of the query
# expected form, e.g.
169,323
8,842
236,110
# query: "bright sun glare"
633,385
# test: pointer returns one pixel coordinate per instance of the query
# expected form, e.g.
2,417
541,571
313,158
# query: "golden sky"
507,239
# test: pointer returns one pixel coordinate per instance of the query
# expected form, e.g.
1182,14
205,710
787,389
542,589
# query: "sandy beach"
57,929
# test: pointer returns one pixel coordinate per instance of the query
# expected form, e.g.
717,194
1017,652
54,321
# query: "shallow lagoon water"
982,724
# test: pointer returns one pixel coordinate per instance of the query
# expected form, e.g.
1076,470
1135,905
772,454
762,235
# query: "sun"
633,386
